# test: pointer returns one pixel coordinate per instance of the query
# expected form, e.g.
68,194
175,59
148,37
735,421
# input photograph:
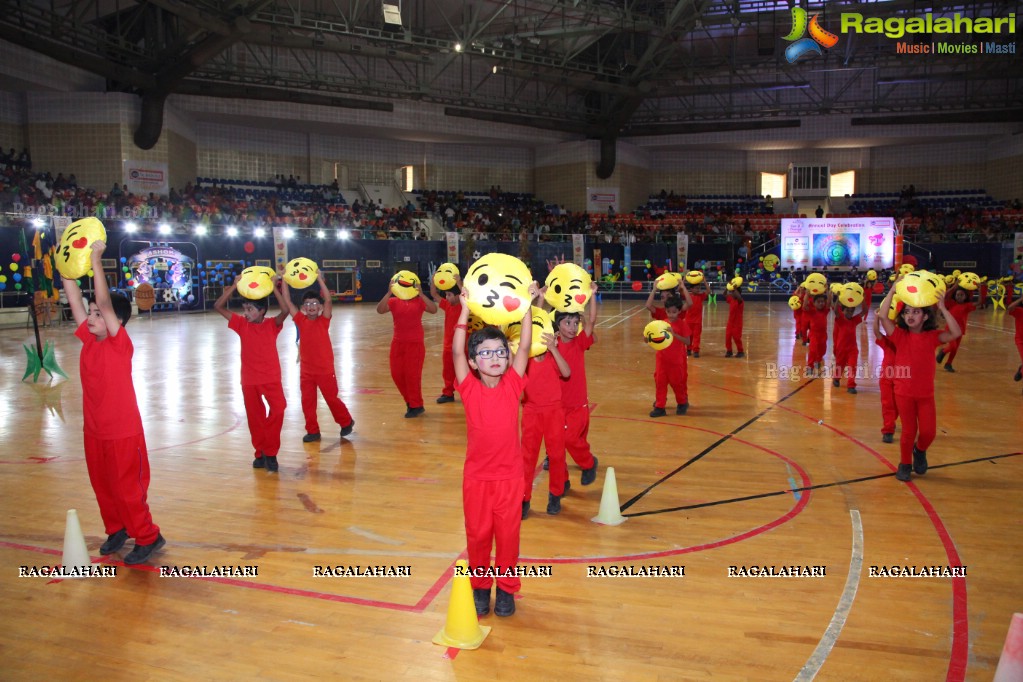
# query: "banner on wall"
682,251
143,177
578,250
452,243
861,243
280,249
598,199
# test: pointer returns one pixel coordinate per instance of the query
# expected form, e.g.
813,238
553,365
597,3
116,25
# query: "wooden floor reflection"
763,471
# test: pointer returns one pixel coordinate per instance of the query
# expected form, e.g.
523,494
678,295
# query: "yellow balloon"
658,335
668,280
256,282
497,288
300,273
74,252
920,289
446,276
568,288
403,285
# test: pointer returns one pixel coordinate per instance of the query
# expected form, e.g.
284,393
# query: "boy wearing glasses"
316,356
492,477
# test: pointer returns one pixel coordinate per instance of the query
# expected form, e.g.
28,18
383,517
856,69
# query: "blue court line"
793,486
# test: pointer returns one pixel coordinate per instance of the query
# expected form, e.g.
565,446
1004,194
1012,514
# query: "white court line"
820,654
992,328
625,315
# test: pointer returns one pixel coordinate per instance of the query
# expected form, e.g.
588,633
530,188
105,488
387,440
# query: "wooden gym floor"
762,472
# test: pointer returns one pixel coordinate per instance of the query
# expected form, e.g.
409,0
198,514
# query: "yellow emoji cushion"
969,281
694,277
497,288
795,302
403,285
657,334
74,252
300,273
256,282
543,323
446,276
850,295
668,280
920,289
568,288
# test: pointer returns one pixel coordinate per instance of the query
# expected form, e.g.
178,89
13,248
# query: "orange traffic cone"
76,554
610,513
462,629
1010,665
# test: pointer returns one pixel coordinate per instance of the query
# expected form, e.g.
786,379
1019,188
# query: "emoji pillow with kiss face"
668,280
74,252
497,288
795,302
256,282
446,276
657,334
543,323
568,288
300,273
969,281
920,289
403,285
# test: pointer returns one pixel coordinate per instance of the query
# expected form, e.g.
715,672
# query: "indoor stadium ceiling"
598,69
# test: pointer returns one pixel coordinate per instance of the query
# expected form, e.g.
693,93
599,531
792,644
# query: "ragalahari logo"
812,45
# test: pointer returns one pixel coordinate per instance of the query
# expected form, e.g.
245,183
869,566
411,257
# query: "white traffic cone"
76,554
610,513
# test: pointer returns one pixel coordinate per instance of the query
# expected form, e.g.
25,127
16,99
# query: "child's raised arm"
521,359
590,320
74,300
954,331
564,370
286,291
687,299
328,304
431,305
458,340
221,305
281,302
382,306
651,304
99,283
886,306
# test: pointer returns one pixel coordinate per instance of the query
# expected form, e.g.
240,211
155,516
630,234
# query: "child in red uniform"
408,346
1015,309
847,320
655,301
815,317
115,444
317,359
886,382
261,372
915,338
448,301
492,475
572,343
670,368
694,315
733,328
543,419
960,306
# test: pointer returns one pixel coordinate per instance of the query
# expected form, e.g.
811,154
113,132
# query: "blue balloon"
17,277
123,259
3,285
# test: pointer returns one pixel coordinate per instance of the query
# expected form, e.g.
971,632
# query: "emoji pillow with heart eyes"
300,273
657,334
668,280
969,281
694,277
446,276
74,253
256,282
497,288
568,288
920,289
403,285
543,323
850,295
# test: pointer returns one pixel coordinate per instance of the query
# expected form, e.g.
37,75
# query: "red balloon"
249,247
637,286
15,257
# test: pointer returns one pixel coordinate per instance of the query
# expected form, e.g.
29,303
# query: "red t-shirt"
845,331
675,354
314,347
695,311
260,362
451,313
545,382
573,391
1017,314
960,312
659,314
735,308
109,406
914,362
408,318
818,320
493,449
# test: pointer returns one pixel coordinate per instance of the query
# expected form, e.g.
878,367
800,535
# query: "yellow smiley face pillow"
920,289
657,334
256,282
969,281
568,288
403,285
694,277
497,288
74,252
300,273
446,276
795,302
850,295
668,281
543,323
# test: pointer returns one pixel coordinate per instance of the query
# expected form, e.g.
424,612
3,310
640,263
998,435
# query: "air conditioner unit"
392,17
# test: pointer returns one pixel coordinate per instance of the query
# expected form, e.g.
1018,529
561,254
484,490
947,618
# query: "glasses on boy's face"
310,304
488,353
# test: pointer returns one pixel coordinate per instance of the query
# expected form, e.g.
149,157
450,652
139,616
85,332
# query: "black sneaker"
836,383
682,409
445,399
949,368
728,354
696,353
568,486
259,463
414,412
347,431
310,438
919,461
590,475
689,352
903,473
553,504
851,389
141,553
481,599
271,464
941,356
114,542
1018,376
546,463
504,604
740,354
888,437
525,509
657,412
